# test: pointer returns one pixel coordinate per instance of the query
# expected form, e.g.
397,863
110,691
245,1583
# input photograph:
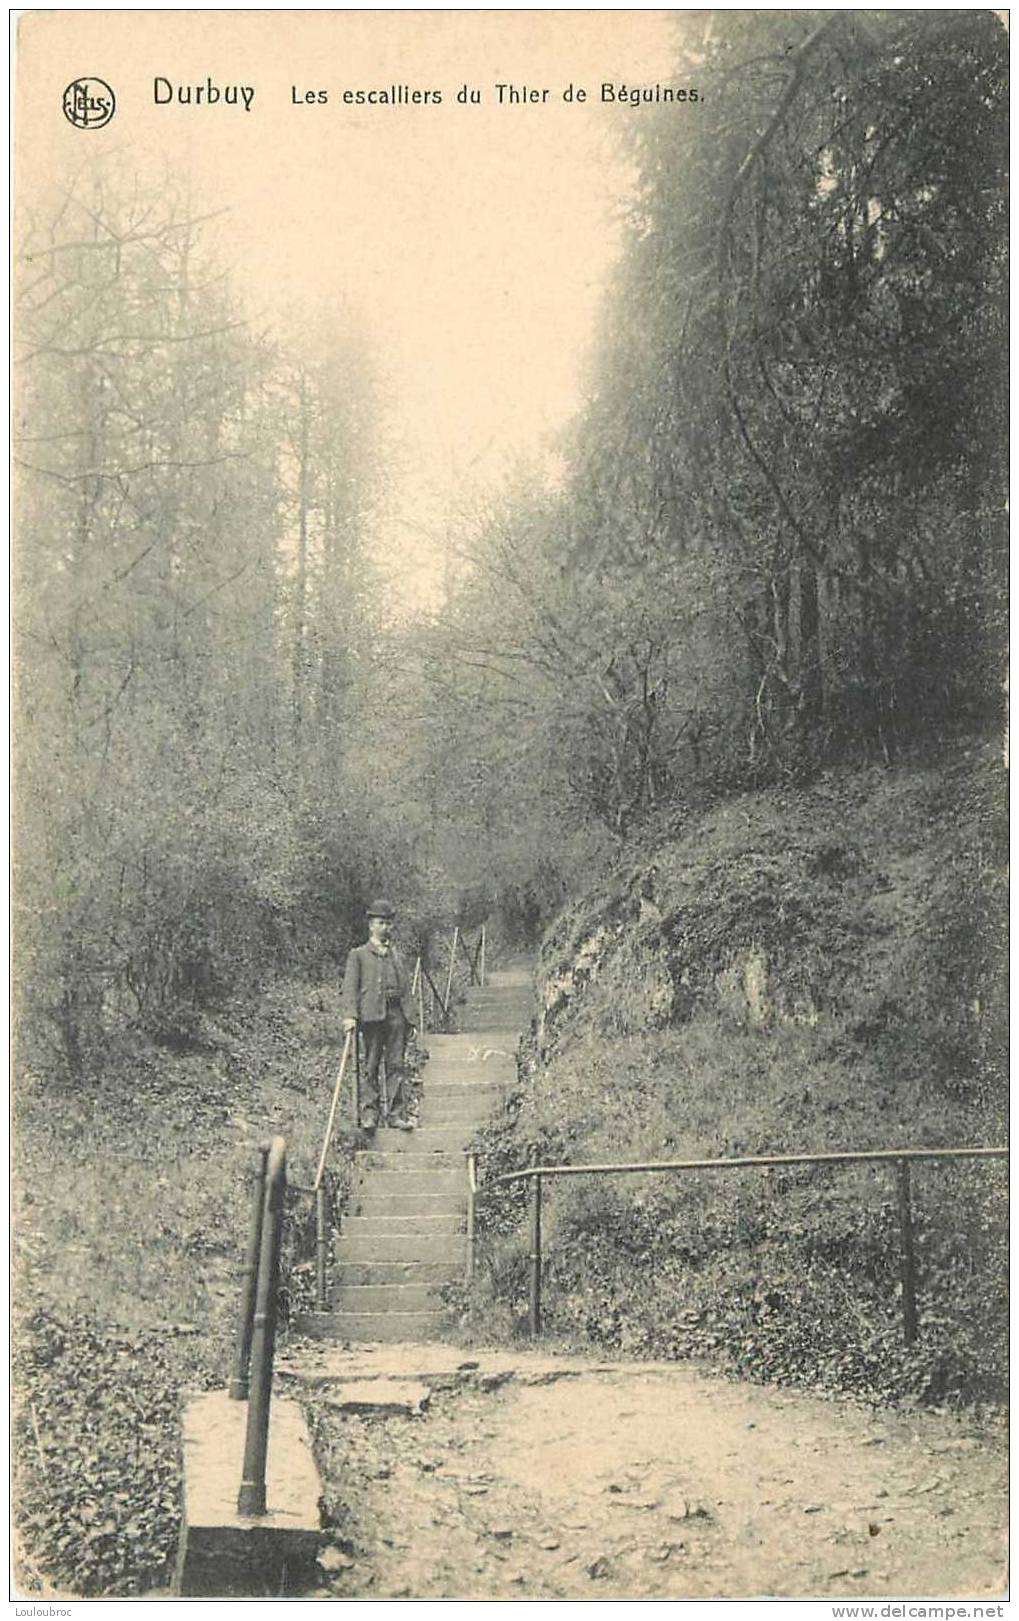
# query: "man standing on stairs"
376,996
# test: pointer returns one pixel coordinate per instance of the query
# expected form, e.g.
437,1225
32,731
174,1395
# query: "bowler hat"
380,908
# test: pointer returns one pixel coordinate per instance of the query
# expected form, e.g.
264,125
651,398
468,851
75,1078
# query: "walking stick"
384,1089
332,1113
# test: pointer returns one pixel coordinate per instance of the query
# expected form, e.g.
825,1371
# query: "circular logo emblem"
89,103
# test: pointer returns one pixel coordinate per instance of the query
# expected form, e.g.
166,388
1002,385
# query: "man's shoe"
398,1123
368,1122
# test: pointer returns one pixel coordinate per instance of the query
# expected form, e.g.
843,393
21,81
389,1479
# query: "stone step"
518,1011
477,1073
469,1124
425,1140
512,1013
374,1183
456,1107
411,1326
400,1160
475,1080
465,1047
470,1057
448,1115
484,1085
389,1398
509,1007
498,1039
445,1114
511,1021
347,1274
484,1024
498,995
407,1205
410,1224
387,1297
400,1247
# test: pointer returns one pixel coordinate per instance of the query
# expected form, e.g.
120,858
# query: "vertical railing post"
417,988
251,1497
321,1243
482,956
472,1188
238,1390
449,976
908,1257
534,1312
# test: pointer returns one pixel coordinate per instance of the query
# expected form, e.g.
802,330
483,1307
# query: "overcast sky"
473,242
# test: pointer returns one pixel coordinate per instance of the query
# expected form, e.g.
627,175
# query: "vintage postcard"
509,621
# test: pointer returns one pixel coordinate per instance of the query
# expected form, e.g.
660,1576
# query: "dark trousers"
385,1038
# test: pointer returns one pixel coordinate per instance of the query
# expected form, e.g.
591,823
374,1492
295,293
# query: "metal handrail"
849,1157
327,1140
901,1158
319,1188
238,1388
251,1497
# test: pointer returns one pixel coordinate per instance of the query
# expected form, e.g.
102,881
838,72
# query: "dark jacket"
364,985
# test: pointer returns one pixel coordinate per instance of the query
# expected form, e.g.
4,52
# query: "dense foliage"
779,539
193,641
800,970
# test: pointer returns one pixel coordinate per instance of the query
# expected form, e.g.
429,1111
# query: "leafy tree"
162,857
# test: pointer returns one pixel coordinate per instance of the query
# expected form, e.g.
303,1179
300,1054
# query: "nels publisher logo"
89,103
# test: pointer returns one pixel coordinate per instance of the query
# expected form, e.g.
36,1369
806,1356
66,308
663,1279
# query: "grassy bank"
798,970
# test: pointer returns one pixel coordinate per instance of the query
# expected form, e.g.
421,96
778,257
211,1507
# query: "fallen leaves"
98,1485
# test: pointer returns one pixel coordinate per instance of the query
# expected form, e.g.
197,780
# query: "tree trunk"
811,675
300,628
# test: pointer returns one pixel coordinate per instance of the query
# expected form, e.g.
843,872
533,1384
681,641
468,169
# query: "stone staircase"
404,1235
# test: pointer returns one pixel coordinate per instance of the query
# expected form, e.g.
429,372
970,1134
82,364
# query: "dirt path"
567,1480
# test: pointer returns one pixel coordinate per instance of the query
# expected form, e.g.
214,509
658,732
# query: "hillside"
793,970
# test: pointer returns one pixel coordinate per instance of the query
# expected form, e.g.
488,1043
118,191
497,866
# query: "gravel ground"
530,1478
